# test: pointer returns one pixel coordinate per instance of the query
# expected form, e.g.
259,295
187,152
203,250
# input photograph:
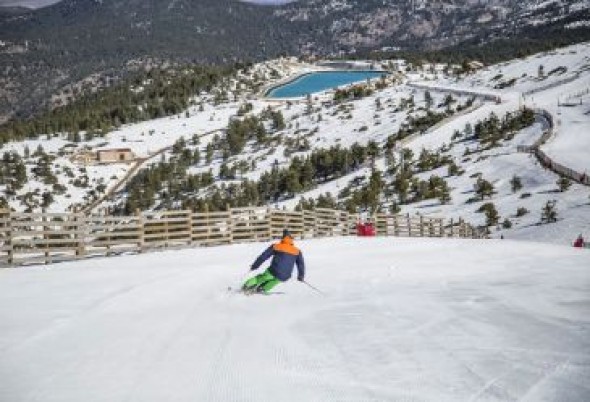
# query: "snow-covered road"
402,319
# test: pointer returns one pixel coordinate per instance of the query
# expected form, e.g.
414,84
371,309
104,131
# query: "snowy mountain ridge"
66,42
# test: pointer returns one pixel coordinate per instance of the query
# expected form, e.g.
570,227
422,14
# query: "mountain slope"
401,319
11,11
74,38
186,160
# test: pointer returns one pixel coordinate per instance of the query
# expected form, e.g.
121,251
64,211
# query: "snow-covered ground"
401,319
571,144
546,80
543,81
499,165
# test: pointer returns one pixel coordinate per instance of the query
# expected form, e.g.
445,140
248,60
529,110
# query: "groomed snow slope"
402,320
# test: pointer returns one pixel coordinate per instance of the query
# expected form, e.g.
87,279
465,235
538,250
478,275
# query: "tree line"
168,185
157,93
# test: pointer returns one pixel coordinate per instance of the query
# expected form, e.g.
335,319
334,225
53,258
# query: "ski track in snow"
402,320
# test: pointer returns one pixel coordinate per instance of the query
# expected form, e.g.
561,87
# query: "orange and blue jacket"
284,257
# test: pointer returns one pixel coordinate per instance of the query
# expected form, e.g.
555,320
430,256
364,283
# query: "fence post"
268,222
140,231
80,220
189,222
452,234
421,226
231,223
302,213
8,241
207,221
46,237
373,219
193,212
409,224
441,227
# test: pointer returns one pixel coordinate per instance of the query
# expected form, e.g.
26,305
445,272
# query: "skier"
579,243
284,256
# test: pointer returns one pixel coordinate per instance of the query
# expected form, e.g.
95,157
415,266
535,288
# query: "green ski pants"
265,281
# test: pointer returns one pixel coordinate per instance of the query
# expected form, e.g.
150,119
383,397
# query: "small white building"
117,155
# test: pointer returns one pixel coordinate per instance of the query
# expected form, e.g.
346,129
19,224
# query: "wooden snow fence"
45,238
5,236
545,160
408,226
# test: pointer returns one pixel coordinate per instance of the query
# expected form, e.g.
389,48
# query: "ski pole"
314,288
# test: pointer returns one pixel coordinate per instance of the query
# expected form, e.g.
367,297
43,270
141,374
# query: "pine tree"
209,153
394,208
292,184
278,121
444,194
549,212
47,199
453,169
515,183
484,188
521,211
491,213
564,183
448,101
401,186
428,99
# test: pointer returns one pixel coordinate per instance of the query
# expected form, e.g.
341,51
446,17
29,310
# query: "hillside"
150,161
401,319
233,146
11,11
45,50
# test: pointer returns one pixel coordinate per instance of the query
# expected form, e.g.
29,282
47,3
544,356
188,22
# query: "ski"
251,292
